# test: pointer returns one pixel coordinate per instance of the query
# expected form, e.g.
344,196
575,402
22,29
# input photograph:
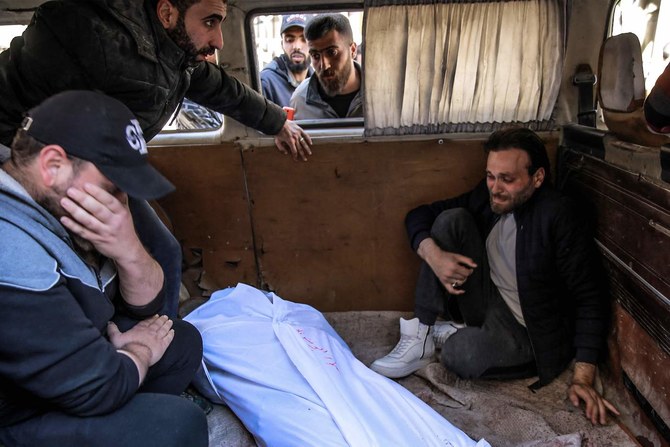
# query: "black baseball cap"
291,20
100,129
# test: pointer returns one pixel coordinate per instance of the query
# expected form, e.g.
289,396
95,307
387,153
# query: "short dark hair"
322,24
25,148
182,5
526,140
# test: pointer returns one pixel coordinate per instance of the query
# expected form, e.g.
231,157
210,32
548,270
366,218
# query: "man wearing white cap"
84,357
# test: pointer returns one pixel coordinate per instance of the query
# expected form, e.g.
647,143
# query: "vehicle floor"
505,413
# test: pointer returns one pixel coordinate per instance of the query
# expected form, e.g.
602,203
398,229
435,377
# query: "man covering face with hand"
85,358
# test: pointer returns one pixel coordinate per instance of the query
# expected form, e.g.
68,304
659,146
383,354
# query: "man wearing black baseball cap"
84,357
285,72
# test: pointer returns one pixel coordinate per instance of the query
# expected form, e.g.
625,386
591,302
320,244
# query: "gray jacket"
309,104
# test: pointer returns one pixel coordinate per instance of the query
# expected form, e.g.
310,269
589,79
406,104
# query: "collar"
169,52
9,183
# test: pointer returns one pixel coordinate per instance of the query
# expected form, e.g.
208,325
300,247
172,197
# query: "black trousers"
494,344
164,248
155,416
147,420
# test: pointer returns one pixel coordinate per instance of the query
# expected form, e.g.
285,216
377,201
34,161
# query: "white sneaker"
443,330
414,351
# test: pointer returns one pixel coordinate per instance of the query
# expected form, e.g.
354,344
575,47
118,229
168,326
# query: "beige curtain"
462,66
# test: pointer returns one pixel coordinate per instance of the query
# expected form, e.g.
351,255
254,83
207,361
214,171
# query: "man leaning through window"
85,357
335,91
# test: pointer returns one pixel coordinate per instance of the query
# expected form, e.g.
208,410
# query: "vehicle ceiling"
20,11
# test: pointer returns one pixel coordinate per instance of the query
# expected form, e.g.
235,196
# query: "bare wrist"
584,373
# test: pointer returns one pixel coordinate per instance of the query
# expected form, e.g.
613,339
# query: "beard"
336,81
50,201
297,67
512,202
180,37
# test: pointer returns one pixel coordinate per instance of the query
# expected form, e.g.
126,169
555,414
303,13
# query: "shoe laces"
403,345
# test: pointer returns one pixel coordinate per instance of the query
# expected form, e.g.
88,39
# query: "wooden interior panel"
633,215
209,211
331,232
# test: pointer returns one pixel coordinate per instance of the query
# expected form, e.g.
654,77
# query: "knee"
451,222
459,357
183,422
187,344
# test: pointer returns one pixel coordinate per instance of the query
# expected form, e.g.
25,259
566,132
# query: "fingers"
611,407
454,289
299,145
574,398
112,329
293,139
466,265
91,207
303,145
595,406
161,324
462,269
601,415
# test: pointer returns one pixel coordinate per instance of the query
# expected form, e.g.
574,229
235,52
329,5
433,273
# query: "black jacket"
559,278
117,47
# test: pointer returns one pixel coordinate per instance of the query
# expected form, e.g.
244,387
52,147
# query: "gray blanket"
505,413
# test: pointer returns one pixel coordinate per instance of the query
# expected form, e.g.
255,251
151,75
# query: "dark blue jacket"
277,84
559,278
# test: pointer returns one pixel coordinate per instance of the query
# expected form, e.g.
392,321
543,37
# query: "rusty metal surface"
633,218
634,352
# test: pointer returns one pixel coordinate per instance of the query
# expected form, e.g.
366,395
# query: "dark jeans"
454,231
155,416
164,248
175,370
147,420
494,345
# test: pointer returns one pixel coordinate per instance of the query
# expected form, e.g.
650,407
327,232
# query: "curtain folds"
462,66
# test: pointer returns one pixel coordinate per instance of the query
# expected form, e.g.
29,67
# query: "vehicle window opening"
7,33
641,17
191,116
283,62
